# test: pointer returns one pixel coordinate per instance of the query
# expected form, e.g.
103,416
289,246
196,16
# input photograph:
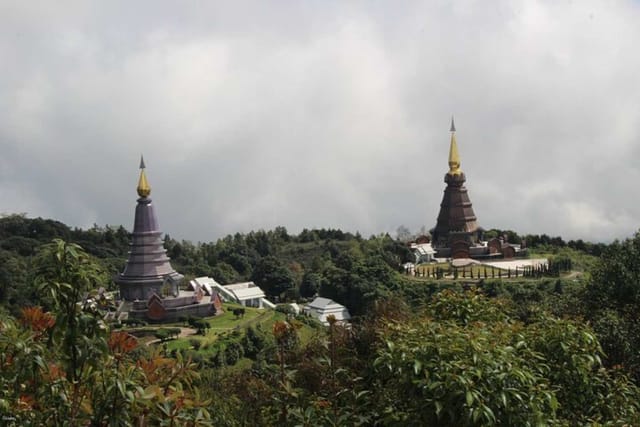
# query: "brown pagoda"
456,230
148,270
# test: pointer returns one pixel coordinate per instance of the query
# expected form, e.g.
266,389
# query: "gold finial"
143,186
454,157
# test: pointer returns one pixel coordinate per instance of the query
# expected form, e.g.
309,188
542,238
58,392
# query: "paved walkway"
463,262
512,264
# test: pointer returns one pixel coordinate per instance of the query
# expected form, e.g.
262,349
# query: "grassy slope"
227,323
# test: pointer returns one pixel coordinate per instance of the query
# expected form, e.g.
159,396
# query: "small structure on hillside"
423,252
245,293
321,308
149,286
457,234
295,308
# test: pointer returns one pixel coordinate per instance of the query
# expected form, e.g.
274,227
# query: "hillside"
420,351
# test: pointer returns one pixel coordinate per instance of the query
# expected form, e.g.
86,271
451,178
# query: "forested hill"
340,265
285,266
419,351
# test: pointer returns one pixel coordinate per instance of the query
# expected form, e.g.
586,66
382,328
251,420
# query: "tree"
68,275
612,299
615,279
65,368
477,366
310,284
272,276
16,288
224,273
253,342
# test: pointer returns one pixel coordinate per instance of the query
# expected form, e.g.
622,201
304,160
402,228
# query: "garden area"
224,339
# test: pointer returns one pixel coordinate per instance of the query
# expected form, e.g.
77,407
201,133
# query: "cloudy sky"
323,113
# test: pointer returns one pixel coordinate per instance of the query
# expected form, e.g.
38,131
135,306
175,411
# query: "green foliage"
465,308
201,325
272,276
358,283
68,275
133,322
466,365
284,265
285,309
253,342
224,273
475,366
64,367
616,278
462,360
310,285
16,287
164,334
528,298
21,239
418,352
195,343
450,375
612,298
229,349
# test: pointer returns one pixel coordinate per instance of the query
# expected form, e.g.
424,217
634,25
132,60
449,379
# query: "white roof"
321,308
248,293
205,282
322,303
423,248
202,280
242,285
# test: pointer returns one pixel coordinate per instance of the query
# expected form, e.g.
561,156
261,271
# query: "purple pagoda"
149,286
148,270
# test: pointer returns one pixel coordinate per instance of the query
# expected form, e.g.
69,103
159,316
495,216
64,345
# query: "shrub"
195,343
162,334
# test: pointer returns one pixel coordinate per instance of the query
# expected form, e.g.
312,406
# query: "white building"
207,284
245,293
423,252
321,308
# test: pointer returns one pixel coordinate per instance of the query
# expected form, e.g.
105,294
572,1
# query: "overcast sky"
312,114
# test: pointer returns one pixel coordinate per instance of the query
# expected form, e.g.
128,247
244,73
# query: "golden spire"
143,186
454,157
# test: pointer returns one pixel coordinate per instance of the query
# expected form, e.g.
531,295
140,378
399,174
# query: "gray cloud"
322,114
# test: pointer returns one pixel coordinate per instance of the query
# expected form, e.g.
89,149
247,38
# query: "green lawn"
581,262
227,322
178,344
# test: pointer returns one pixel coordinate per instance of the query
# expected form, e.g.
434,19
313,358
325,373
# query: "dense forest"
543,350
